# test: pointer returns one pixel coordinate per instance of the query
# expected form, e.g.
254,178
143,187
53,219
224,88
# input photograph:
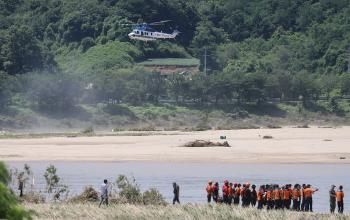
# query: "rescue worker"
303,197
254,196
332,199
231,191
176,191
308,192
247,195
225,192
216,192
269,204
209,190
296,194
277,197
340,199
286,197
237,194
260,196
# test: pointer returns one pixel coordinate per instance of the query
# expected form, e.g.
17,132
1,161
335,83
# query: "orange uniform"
286,194
276,194
259,195
308,192
296,194
238,192
209,189
268,195
340,196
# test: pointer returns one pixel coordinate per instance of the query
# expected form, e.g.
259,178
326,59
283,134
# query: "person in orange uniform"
340,199
277,197
259,197
287,194
237,194
269,202
231,192
209,190
302,191
308,192
296,194
225,192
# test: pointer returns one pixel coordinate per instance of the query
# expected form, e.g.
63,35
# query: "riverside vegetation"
68,64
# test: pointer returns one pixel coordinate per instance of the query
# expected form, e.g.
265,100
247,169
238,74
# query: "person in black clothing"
332,199
176,193
247,196
216,192
254,196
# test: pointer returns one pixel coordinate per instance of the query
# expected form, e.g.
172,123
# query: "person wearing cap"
225,192
340,199
260,196
308,192
209,190
296,195
332,199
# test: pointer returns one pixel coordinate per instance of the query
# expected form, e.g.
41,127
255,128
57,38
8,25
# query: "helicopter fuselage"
145,35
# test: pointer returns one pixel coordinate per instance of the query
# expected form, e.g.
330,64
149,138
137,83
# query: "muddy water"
192,177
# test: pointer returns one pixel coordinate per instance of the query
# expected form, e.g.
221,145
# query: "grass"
171,62
91,211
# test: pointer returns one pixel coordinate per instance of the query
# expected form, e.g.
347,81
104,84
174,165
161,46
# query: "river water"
193,177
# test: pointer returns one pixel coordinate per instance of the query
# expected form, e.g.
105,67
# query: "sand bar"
289,145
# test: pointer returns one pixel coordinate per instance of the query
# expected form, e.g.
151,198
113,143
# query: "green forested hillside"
57,55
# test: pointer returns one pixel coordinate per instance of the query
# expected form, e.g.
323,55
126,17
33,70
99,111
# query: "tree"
22,51
9,209
53,184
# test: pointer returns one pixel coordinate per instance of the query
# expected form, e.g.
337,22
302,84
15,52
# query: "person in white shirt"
104,193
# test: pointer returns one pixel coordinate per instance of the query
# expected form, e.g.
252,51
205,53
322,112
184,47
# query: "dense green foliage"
57,54
8,203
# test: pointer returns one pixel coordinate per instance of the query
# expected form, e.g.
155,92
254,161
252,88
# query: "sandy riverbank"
289,145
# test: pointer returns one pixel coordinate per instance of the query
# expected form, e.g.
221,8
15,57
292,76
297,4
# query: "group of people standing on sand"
272,196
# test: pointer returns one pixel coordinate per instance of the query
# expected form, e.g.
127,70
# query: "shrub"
129,190
88,195
153,197
130,193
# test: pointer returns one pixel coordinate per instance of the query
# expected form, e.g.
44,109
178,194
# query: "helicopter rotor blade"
159,22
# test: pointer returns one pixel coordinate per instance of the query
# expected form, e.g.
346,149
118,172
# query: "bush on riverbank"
128,192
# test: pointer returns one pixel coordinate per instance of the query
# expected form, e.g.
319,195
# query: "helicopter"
145,32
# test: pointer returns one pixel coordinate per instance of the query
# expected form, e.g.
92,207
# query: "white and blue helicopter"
145,32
